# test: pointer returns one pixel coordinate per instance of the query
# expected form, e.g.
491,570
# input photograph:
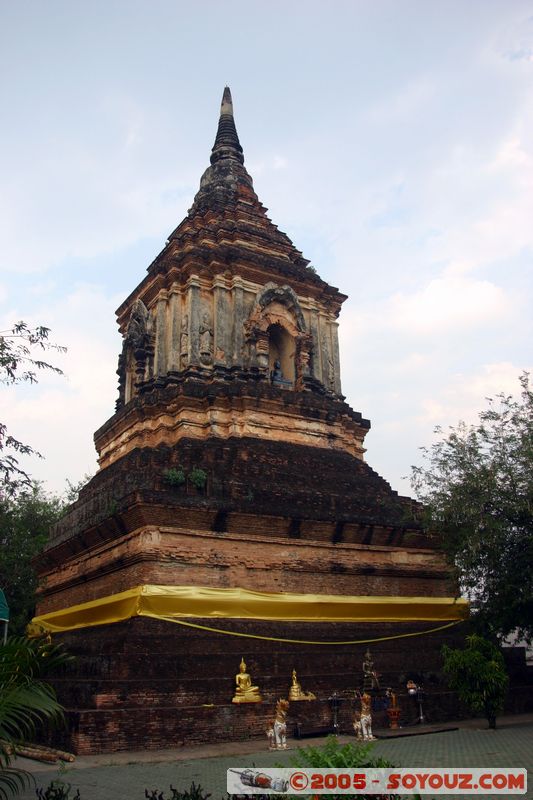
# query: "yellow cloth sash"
173,602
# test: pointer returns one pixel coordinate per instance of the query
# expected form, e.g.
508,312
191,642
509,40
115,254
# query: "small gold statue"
296,692
245,692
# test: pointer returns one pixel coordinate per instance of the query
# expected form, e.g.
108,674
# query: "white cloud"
445,304
465,394
498,225
58,416
399,162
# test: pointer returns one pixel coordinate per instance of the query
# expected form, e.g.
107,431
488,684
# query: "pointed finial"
227,143
226,106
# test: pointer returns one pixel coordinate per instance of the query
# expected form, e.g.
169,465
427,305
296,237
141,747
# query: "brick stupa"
232,462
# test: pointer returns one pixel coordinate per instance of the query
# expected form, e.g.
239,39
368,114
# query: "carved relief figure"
137,334
184,341
331,373
206,337
135,360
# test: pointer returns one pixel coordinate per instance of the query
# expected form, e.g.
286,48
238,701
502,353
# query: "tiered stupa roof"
227,228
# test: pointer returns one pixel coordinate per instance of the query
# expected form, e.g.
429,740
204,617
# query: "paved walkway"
124,776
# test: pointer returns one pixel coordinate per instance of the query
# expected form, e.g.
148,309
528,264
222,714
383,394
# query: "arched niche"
275,330
271,295
282,350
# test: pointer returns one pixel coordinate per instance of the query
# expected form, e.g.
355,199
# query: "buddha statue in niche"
245,692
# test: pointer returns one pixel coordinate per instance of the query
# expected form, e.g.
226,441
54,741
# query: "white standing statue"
277,732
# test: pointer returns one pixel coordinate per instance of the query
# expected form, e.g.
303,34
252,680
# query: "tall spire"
227,143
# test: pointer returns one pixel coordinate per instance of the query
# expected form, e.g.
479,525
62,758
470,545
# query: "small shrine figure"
277,731
245,692
366,715
276,375
370,676
393,710
296,692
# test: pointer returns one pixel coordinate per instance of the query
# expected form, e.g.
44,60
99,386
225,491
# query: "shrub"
198,477
478,675
57,790
194,793
175,476
333,755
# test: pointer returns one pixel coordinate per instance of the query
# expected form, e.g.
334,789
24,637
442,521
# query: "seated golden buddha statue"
245,692
296,692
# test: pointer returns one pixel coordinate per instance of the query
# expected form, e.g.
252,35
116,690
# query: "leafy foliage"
26,701
175,476
478,492
194,793
19,348
57,790
198,478
25,520
479,676
13,782
333,755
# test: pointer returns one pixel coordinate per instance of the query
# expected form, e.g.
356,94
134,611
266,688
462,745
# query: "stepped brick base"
153,684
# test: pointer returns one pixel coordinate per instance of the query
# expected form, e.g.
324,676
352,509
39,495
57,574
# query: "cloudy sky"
392,141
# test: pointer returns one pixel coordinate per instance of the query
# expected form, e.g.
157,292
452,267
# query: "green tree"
26,701
20,348
477,489
478,675
25,521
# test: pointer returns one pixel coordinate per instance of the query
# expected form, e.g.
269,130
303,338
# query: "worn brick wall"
297,491
148,683
180,557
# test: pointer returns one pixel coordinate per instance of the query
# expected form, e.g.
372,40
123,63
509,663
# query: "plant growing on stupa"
175,476
198,478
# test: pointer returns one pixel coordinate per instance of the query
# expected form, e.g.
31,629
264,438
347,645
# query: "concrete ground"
124,776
